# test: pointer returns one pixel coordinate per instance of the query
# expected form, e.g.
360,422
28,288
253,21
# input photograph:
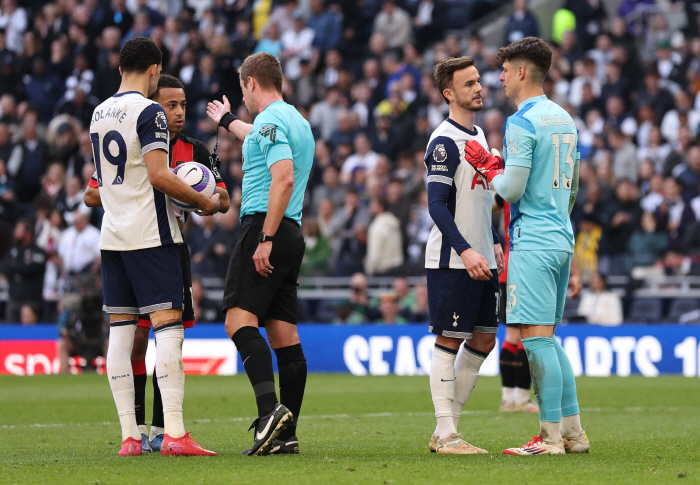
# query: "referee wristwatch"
262,237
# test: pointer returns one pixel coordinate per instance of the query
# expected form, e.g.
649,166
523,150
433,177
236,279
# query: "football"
199,178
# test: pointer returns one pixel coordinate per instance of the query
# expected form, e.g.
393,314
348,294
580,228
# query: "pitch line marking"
341,416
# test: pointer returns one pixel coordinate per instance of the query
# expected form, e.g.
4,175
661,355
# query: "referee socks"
291,363
257,360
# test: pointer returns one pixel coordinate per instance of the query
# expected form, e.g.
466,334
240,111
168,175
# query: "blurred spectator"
324,114
69,200
587,246
600,305
674,215
363,157
221,244
23,266
317,256
520,24
13,20
327,26
356,309
350,229
624,162
78,248
384,241
28,161
390,310
297,45
690,177
646,245
394,24
43,89
330,189
271,43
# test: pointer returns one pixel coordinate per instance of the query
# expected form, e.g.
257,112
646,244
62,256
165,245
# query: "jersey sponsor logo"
479,180
269,130
440,153
161,121
440,168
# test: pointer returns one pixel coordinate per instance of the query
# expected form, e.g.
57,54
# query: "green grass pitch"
369,430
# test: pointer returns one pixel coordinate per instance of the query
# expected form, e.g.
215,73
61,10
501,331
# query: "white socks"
571,426
121,379
550,432
171,376
155,431
467,367
442,388
521,396
508,394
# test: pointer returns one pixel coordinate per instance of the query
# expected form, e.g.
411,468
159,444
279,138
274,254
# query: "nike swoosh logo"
448,380
259,436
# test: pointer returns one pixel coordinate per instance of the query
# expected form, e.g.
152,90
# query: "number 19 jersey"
542,136
137,215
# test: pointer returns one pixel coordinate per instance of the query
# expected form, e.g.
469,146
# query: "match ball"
199,178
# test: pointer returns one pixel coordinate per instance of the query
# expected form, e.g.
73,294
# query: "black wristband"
227,119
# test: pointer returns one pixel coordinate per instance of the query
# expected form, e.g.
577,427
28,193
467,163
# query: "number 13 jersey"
137,215
542,136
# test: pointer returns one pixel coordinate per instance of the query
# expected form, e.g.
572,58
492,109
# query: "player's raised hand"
486,164
500,258
217,109
476,265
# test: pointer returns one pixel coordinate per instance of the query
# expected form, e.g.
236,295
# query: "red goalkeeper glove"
487,165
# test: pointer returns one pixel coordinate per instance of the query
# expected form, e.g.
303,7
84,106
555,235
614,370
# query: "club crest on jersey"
161,121
269,130
440,153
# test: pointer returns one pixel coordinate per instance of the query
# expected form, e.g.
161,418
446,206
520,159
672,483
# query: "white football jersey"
137,215
470,197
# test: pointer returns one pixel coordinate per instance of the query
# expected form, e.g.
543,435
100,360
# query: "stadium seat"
644,310
679,306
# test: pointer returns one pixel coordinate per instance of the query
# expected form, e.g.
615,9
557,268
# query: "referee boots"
267,428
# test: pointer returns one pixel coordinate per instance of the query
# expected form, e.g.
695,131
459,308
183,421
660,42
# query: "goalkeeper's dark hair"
167,81
138,54
444,71
532,50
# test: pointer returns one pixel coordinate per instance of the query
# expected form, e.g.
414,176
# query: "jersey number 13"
569,139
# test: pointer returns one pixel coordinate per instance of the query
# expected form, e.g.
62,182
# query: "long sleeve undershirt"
511,184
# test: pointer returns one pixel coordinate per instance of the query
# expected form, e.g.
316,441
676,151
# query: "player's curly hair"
167,81
264,68
443,72
529,49
138,54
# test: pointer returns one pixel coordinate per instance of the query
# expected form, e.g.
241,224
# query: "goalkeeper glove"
487,165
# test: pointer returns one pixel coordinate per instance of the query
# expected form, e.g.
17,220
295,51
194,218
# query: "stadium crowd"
360,72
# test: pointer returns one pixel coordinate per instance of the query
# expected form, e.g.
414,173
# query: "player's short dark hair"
529,49
167,81
444,71
138,54
264,68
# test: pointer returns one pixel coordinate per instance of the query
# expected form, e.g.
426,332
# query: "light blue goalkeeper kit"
541,136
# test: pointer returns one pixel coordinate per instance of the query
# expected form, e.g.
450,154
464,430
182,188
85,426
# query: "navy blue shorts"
142,281
459,305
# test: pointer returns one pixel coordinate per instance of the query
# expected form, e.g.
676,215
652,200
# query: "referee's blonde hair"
264,68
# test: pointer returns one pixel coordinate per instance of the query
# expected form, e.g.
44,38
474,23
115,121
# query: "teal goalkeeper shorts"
537,284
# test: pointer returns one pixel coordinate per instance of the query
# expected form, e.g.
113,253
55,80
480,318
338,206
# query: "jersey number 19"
119,160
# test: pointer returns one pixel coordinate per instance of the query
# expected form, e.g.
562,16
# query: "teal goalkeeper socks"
546,376
569,400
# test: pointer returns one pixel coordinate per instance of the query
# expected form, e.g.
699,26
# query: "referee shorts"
274,297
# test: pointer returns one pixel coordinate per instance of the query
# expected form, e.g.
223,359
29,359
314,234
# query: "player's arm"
278,156
521,139
221,113
441,170
152,129
91,197
170,184
202,155
498,251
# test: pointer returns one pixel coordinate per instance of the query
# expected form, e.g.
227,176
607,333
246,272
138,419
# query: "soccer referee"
261,281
